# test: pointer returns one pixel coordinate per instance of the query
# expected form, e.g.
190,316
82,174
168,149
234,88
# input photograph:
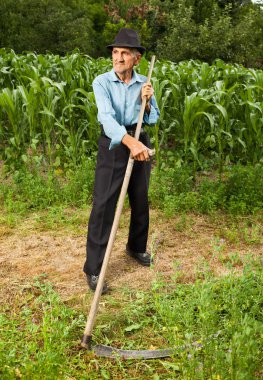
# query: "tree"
58,26
248,41
174,29
179,43
215,37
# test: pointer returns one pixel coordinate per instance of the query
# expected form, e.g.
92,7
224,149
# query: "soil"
183,247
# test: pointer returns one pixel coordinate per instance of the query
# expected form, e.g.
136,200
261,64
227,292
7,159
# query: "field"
204,288
203,294
211,114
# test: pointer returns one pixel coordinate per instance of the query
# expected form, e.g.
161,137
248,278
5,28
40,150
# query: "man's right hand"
138,150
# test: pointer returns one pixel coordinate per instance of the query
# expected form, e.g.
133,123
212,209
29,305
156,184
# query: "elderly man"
118,95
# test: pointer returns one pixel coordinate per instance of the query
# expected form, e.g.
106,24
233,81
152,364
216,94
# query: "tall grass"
211,115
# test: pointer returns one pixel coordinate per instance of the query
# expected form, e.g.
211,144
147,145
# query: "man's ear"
138,58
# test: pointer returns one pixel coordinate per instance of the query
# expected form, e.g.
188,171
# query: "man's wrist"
148,107
126,140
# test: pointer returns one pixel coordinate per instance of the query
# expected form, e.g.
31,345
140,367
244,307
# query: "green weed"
214,324
238,193
220,321
34,190
172,190
36,335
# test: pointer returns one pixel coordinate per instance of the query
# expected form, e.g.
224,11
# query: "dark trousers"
109,175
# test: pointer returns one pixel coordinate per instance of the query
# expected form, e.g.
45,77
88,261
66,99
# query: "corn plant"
210,115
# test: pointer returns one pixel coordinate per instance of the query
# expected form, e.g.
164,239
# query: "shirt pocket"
136,112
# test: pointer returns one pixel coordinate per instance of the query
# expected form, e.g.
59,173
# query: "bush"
172,190
36,190
244,189
240,191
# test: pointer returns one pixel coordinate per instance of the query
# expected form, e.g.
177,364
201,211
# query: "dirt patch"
183,247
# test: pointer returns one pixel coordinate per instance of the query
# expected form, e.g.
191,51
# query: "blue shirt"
119,104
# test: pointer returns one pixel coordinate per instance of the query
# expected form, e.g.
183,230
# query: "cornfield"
211,115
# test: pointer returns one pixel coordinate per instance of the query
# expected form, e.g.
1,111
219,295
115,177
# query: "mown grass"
216,323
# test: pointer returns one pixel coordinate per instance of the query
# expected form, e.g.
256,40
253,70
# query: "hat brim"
141,49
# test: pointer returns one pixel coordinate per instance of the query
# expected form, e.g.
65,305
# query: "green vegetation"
211,115
177,30
56,26
48,112
172,190
208,140
238,193
216,323
209,156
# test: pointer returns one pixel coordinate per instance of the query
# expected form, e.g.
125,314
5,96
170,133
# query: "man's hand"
147,91
138,150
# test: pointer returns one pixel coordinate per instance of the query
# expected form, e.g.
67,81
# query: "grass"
239,192
218,319
172,190
215,322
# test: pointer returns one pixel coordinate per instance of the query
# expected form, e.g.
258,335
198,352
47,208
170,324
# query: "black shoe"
142,258
93,281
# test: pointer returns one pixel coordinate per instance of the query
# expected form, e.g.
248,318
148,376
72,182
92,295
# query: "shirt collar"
135,78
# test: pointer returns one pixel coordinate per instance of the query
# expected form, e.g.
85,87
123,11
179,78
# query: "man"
118,95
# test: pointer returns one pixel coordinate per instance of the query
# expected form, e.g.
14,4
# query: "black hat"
127,38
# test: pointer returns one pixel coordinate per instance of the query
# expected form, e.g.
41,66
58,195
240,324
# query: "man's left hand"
147,91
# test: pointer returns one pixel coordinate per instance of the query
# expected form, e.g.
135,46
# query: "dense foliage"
172,190
211,120
211,115
175,30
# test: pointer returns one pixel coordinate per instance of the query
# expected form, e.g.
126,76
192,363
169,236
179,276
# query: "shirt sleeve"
154,114
106,114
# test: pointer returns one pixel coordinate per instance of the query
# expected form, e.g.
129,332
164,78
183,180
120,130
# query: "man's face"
124,59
